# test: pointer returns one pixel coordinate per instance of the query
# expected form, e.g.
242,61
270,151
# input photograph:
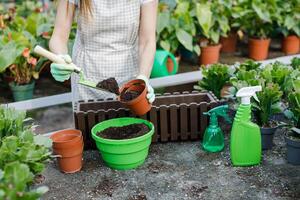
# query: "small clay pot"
210,54
290,45
170,64
267,135
140,105
259,48
229,43
68,146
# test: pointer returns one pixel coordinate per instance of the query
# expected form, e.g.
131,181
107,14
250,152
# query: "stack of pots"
68,146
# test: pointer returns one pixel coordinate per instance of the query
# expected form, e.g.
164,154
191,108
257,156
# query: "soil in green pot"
109,84
124,132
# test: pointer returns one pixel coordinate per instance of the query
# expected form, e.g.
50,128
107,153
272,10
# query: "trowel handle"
53,57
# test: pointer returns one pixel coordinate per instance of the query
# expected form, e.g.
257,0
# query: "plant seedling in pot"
212,25
292,137
264,107
256,18
215,78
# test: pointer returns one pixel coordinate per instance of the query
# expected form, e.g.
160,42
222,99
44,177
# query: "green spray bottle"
213,139
245,141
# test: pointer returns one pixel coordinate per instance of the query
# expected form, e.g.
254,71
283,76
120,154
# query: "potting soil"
124,132
130,95
109,84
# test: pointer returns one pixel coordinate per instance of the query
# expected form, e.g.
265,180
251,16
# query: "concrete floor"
179,171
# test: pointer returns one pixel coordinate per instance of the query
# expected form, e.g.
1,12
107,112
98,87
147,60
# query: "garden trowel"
82,80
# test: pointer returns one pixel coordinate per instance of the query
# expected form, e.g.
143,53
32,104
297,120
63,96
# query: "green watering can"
160,67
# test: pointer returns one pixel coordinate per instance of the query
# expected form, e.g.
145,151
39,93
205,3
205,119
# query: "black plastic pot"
293,150
267,135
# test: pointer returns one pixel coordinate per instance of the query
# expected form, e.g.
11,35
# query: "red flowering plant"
23,69
16,58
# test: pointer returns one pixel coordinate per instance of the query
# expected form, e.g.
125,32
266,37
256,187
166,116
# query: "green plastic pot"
160,68
123,154
22,92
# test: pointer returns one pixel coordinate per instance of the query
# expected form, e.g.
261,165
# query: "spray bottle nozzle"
247,92
218,111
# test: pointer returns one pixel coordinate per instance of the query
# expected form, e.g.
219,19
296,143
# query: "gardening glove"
150,90
62,72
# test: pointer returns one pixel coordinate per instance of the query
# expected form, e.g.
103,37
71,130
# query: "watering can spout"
160,65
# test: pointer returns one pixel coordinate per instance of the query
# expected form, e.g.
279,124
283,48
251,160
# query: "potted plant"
215,78
265,106
211,25
175,27
16,58
256,19
292,137
288,21
228,39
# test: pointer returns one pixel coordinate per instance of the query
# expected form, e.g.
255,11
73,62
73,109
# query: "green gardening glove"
62,72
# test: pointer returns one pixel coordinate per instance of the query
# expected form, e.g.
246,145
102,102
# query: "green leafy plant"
211,21
11,121
255,17
294,103
295,63
247,74
176,27
288,18
214,78
268,104
22,156
25,149
14,180
277,73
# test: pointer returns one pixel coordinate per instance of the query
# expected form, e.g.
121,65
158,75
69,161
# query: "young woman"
115,38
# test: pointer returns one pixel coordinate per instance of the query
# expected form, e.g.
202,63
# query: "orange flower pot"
68,145
170,64
210,54
229,43
290,45
140,105
259,48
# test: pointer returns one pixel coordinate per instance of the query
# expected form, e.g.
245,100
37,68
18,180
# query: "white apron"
106,45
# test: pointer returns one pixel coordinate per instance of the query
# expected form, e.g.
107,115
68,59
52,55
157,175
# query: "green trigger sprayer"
213,140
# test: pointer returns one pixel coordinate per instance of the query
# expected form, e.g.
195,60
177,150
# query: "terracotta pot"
290,45
68,145
170,64
229,43
210,54
259,48
139,105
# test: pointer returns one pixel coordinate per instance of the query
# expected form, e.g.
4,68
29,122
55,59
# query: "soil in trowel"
110,85
130,95
124,132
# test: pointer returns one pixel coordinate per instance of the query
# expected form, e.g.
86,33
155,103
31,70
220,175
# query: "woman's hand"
62,72
150,90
